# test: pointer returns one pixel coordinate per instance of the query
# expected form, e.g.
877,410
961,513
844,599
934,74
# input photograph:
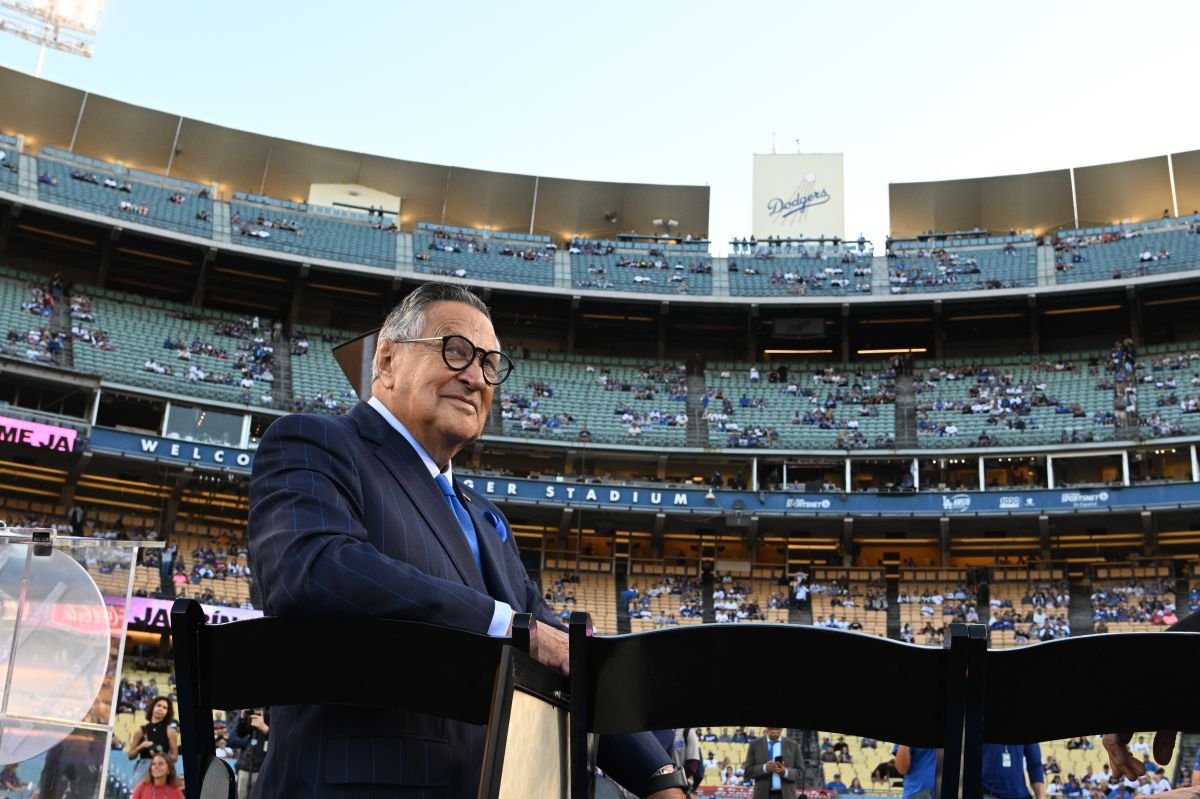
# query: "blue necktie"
773,752
464,519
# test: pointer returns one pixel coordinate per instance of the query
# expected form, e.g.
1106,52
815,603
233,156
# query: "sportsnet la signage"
36,435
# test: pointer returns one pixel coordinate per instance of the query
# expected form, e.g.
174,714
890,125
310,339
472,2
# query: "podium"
62,633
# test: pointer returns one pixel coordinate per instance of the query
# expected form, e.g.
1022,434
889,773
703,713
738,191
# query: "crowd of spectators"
1072,251
684,599
1138,601
42,342
940,267
262,226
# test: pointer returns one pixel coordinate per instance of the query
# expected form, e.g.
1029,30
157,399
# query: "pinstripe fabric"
346,521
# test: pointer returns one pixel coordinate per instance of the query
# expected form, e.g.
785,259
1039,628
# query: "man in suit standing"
774,763
360,515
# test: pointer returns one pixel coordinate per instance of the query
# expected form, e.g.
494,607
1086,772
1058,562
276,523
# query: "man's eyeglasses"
459,352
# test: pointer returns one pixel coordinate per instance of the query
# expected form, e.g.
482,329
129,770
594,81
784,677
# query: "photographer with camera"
248,733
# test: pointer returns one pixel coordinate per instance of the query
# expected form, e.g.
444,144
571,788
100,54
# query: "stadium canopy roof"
1042,202
52,115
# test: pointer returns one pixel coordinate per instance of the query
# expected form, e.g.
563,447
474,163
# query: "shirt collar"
434,471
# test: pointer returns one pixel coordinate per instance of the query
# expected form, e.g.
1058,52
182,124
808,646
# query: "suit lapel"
491,552
405,465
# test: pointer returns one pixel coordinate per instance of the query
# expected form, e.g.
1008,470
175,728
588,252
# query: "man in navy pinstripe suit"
359,515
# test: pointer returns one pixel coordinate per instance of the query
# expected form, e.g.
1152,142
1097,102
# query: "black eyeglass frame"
478,354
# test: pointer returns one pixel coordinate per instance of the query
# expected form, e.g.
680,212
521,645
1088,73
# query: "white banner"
799,196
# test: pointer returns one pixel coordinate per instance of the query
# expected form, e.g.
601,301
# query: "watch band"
671,779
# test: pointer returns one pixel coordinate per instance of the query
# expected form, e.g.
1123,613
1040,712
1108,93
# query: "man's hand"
775,768
550,648
1124,764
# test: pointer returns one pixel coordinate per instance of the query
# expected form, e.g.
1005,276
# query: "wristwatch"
669,777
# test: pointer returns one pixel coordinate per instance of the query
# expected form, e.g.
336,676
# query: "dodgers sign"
799,196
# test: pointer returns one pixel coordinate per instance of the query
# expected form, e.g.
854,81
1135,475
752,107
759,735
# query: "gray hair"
407,320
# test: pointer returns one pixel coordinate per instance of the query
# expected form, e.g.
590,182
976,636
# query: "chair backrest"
785,675
219,781
272,661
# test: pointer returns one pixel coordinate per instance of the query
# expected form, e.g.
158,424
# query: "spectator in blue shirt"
1004,767
836,784
919,767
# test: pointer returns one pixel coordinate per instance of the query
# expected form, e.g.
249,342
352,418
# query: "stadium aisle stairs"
1189,745
906,413
893,609
697,427
283,368
800,615
1047,275
62,321
1079,612
810,747
624,626
27,185
709,613
220,217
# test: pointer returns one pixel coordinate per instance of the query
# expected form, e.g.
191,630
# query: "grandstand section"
958,268
764,270
849,599
839,406
648,269
588,588
1028,605
484,255
113,190
1132,598
290,227
1123,251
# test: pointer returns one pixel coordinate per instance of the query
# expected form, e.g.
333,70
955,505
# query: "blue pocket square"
498,523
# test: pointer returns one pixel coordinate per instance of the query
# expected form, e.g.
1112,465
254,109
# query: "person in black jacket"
249,735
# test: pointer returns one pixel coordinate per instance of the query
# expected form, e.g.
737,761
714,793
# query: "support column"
106,251
568,467
1035,338
571,317
202,278
754,474
1135,315
845,332
939,331
1195,465
661,471
1044,535
6,226
1149,534
752,334
944,541
664,311
297,296
982,476
916,474
1125,467
848,487
67,499
1049,472
847,540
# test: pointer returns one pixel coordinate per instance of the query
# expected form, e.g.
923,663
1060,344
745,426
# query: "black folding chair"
273,661
1072,670
664,679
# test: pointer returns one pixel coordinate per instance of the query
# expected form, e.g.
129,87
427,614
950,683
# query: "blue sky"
669,92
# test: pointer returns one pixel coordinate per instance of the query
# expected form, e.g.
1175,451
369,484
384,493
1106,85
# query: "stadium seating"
481,255
557,398
812,272
645,270
591,587
121,193
318,383
1132,598
838,406
841,597
23,333
1125,251
1019,597
137,329
747,600
1169,390
9,163
295,228
914,271
1049,399
664,601
930,599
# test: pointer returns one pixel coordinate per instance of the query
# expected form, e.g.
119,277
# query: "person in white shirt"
1162,784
